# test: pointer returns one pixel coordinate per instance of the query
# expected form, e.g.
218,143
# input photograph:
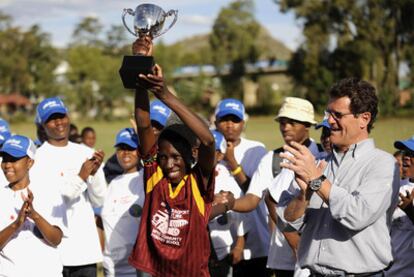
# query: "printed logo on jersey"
168,223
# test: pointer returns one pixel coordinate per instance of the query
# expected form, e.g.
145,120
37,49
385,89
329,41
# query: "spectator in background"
228,229
88,136
76,171
122,209
242,158
32,223
402,228
325,136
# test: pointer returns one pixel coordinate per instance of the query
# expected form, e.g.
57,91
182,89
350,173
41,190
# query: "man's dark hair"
362,95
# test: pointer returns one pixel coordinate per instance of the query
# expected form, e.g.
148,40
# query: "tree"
87,32
117,43
94,83
344,38
28,60
233,42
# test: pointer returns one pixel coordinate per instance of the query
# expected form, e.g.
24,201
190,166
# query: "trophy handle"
169,13
124,13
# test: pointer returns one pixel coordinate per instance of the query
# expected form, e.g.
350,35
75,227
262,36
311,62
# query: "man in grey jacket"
346,203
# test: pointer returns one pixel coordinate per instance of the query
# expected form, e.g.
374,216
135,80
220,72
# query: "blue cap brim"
48,114
159,118
404,144
224,113
13,152
129,143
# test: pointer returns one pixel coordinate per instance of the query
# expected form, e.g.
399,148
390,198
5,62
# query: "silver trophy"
149,20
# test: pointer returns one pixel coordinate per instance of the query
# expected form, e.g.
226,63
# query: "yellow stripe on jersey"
177,190
154,179
197,195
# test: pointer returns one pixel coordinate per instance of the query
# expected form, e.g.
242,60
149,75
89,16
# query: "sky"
59,17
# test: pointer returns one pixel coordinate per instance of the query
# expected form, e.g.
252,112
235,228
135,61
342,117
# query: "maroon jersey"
173,238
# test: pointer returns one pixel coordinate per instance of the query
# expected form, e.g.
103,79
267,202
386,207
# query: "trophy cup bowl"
149,20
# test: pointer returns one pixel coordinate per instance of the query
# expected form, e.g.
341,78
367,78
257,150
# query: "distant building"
10,103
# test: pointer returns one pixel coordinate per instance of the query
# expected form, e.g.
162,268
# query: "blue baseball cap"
405,144
159,112
221,144
48,107
324,123
230,106
18,147
127,136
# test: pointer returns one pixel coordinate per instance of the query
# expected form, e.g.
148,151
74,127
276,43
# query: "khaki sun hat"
297,109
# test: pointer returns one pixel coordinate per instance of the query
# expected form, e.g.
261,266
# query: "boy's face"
57,127
89,139
127,157
230,126
408,164
171,162
293,130
15,169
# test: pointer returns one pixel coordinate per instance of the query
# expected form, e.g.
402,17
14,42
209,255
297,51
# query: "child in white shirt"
121,212
31,216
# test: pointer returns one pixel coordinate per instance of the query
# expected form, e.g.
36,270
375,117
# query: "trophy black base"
132,66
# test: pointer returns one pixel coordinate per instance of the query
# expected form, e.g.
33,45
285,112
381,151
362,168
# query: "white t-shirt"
224,230
26,253
60,166
248,154
402,240
121,216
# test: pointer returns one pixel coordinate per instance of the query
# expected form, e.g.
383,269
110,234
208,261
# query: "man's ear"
365,119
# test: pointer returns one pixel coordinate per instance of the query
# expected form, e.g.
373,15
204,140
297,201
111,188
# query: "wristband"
236,171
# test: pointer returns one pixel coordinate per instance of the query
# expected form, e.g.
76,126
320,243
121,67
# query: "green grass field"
263,129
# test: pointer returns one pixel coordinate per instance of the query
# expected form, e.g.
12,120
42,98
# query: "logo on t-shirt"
167,225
